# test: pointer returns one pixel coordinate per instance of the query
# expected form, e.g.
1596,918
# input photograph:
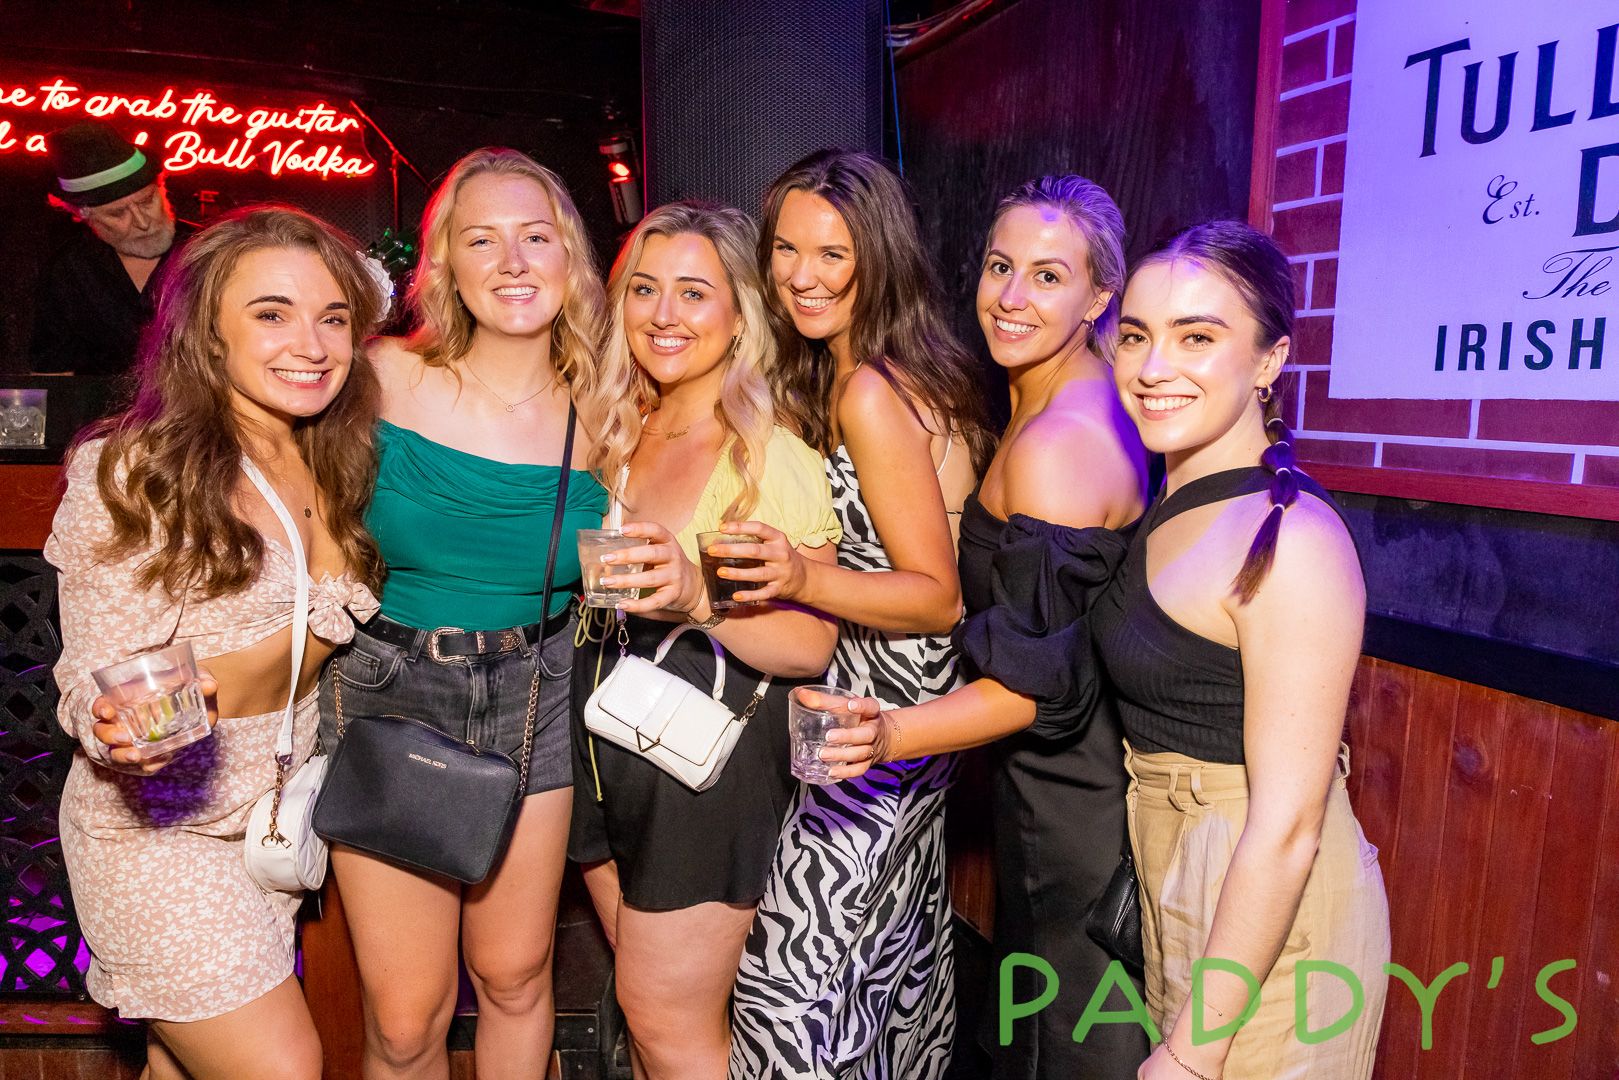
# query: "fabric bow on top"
1035,638
330,597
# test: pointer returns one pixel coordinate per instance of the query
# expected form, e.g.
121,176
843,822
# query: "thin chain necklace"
668,435
511,406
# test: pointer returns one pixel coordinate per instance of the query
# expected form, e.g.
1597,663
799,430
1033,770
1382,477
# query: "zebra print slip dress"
848,971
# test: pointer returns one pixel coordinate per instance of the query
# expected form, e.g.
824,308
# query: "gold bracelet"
1182,1064
899,736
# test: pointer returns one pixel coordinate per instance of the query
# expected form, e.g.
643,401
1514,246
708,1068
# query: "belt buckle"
511,640
433,643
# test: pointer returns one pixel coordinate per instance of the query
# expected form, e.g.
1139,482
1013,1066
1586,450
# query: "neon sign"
195,129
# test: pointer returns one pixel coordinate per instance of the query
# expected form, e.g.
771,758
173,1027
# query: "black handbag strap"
545,594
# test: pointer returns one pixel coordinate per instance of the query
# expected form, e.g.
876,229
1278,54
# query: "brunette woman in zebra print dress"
848,971
1038,542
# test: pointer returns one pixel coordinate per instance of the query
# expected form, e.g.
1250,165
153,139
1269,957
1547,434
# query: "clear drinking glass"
593,544
808,724
158,699
721,591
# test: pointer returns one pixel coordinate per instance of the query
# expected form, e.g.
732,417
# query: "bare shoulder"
869,398
1069,468
1316,564
392,358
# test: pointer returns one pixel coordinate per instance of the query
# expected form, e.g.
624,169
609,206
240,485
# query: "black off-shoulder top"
1028,586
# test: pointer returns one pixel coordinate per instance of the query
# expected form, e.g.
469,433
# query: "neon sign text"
198,129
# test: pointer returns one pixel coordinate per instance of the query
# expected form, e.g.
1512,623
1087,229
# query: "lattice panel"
41,950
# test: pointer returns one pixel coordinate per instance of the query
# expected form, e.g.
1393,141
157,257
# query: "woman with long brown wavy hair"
476,409
252,371
849,968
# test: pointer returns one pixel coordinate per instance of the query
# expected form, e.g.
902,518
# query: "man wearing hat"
97,292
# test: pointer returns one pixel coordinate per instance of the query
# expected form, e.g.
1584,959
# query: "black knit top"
1177,690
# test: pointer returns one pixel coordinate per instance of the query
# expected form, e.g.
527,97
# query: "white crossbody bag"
281,849
685,732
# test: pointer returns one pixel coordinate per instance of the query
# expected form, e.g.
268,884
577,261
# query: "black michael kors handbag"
400,788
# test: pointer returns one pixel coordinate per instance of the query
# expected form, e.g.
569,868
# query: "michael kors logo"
428,761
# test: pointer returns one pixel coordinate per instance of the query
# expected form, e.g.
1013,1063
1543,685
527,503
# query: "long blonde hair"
615,395
444,327
165,468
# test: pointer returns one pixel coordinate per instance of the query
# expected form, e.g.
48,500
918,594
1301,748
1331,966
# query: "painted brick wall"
1562,442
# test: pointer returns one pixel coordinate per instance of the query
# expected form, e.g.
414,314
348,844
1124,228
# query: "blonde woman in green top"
475,406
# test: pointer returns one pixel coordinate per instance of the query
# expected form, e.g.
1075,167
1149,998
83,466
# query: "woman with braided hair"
1230,636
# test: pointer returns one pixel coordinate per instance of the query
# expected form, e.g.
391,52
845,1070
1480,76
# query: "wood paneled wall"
1497,821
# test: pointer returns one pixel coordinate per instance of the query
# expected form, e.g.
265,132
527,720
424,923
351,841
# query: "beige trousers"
1186,816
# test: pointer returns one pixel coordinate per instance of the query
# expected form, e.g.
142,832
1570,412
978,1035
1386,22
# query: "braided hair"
1252,264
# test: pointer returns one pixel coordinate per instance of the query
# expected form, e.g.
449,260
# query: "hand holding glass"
812,711
722,591
593,544
158,699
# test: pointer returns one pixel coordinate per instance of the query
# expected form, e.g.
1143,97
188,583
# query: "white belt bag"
685,732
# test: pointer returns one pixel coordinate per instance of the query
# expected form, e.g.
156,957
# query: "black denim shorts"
481,699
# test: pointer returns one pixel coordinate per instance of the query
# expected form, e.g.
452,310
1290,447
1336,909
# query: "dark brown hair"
896,325
1252,264
168,467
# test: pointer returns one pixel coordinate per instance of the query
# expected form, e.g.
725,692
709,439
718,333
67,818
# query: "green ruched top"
465,536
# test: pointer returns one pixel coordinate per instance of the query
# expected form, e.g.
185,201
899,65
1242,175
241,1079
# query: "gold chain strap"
273,836
528,722
337,698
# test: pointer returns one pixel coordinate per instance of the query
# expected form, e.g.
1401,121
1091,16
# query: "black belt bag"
400,788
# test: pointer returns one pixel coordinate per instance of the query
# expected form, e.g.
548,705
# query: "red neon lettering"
200,109
108,104
59,95
319,117
186,152
188,143
323,162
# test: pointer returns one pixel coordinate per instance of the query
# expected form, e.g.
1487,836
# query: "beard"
150,244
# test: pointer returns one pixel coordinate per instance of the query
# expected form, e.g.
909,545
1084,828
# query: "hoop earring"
1265,394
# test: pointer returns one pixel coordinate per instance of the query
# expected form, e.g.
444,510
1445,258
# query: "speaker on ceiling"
734,91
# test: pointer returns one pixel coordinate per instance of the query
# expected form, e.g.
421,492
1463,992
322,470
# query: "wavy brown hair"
167,466
896,326
444,326
619,392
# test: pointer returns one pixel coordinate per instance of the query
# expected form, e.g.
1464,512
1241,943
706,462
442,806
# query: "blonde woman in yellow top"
682,402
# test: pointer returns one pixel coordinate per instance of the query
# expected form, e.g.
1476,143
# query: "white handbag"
665,719
281,849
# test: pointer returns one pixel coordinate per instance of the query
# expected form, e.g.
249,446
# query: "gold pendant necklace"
511,406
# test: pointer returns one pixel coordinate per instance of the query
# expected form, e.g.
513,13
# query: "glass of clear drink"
812,711
593,544
158,699
722,591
